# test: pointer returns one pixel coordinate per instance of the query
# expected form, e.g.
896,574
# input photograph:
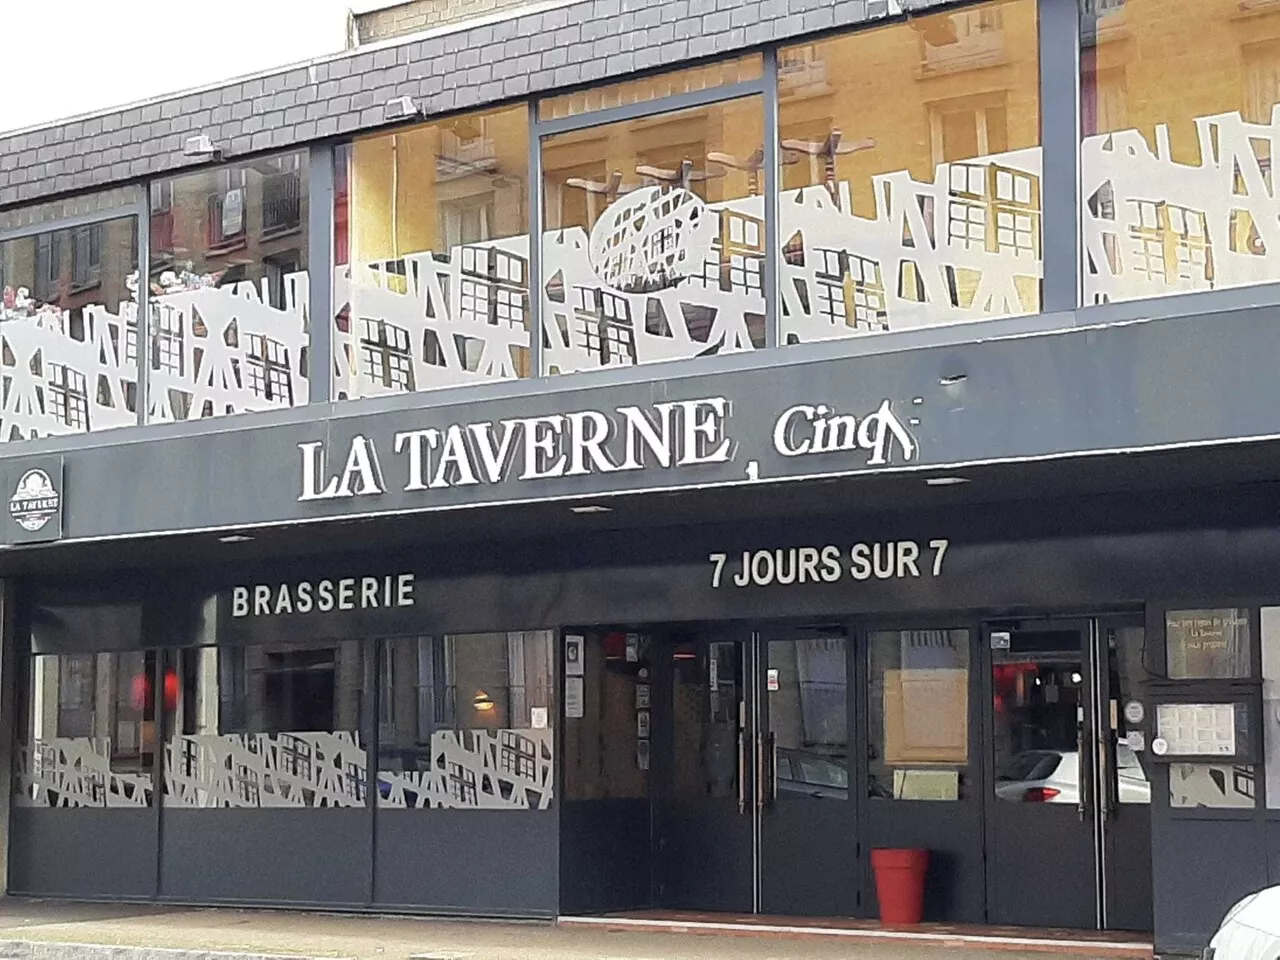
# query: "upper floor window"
911,174
432,244
228,290
1180,128
68,330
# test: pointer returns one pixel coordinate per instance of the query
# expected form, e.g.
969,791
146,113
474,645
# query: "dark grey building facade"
877,448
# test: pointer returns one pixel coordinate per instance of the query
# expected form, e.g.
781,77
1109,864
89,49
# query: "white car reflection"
1250,930
1053,776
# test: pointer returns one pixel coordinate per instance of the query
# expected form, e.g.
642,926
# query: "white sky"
67,57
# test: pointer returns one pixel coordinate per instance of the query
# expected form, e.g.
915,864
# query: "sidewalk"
44,930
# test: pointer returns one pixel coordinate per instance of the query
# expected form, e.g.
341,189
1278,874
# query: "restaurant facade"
877,449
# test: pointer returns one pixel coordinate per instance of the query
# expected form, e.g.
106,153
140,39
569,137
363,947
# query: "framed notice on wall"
1208,644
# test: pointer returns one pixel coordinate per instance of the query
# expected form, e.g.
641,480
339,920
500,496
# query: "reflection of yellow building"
439,185
1149,62
935,89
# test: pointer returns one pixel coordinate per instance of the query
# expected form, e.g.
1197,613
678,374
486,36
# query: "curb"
51,950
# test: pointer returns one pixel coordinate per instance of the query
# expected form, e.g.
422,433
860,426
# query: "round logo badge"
35,501
1159,746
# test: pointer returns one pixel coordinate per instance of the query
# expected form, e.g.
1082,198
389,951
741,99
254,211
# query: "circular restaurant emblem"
35,502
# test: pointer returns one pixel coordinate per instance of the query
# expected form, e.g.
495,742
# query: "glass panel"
911,174
69,330
705,695
808,717
255,727
918,714
229,290
432,247
66,207
644,89
466,721
1212,785
1040,696
86,735
1271,701
606,694
1125,647
1179,135
654,238
1208,644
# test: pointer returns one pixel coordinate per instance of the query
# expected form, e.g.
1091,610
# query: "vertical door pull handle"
773,767
742,774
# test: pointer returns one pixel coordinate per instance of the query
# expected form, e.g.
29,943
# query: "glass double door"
751,808
1067,823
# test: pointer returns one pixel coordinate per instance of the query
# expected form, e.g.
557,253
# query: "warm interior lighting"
483,702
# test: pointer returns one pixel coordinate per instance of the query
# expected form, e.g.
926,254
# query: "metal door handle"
760,772
742,774
773,767
1082,778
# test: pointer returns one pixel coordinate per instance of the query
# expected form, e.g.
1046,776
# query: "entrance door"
809,855
704,773
752,806
1067,822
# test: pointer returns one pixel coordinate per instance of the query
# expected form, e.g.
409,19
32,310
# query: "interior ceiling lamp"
483,702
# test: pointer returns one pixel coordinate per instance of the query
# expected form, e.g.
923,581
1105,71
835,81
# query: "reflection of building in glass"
603,321
268,364
384,354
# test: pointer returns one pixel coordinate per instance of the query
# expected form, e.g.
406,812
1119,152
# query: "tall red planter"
900,878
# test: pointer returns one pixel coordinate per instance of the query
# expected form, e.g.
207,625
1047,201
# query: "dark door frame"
1092,627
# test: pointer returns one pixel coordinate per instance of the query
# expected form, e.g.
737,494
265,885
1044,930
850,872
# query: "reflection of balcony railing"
801,71
281,203
963,41
458,158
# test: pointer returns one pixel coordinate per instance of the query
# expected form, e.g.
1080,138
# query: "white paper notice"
573,706
1198,729
538,718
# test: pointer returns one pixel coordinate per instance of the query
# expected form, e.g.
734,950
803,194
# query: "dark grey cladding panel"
587,42
1127,387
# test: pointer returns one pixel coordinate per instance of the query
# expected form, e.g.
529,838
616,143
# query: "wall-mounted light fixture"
401,108
201,146
483,702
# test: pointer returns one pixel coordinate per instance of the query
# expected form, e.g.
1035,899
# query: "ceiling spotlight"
945,481
235,538
201,146
952,380
401,108
591,508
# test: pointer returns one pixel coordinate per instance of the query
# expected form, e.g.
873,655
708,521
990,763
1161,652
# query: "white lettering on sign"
786,566
323,596
678,433
804,430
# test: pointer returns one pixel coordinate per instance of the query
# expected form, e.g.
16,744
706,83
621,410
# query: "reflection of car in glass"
1250,930
1053,776
810,775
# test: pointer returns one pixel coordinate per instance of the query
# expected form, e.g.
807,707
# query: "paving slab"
53,930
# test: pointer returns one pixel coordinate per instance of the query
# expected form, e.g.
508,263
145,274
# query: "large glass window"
653,241
467,721
1271,702
1179,139
69,330
266,726
86,734
918,714
605,755
432,247
911,174
228,280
